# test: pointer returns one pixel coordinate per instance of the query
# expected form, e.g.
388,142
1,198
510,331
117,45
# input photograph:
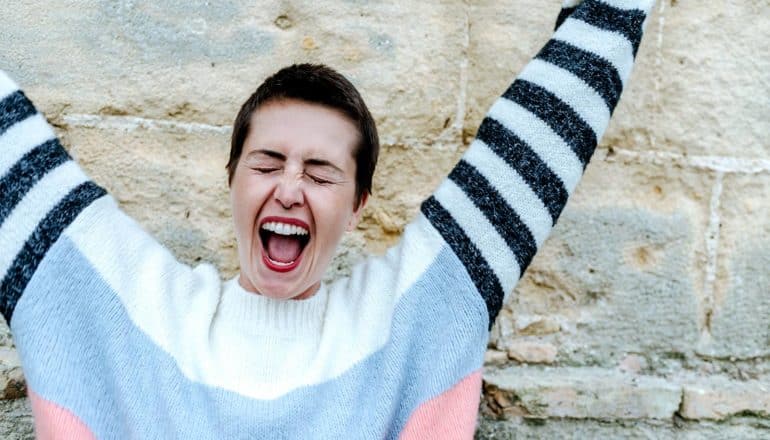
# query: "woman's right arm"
68,252
42,192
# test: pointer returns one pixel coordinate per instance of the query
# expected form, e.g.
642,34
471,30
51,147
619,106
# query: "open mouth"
283,240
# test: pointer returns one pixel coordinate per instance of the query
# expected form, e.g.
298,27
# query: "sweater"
118,339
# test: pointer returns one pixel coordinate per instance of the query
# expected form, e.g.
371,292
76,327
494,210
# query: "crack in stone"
133,123
712,248
721,164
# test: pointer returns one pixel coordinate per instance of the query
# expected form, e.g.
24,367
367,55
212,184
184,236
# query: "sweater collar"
259,315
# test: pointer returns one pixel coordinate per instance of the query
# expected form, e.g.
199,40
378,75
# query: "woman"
119,340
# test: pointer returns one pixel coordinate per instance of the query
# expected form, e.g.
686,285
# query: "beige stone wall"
646,314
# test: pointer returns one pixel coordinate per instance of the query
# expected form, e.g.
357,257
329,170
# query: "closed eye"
319,180
264,170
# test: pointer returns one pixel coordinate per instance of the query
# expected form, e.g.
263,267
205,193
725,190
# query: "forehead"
300,129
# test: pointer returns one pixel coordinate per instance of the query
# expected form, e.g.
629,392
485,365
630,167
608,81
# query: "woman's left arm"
501,200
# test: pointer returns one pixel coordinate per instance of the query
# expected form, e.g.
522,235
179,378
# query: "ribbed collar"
255,314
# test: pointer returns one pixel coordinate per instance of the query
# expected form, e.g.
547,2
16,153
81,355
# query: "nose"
288,191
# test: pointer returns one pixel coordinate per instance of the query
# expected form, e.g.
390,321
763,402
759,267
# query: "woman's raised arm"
501,200
68,253
41,192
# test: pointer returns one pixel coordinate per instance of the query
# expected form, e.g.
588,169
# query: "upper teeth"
284,228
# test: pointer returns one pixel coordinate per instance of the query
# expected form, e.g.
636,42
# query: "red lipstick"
273,265
287,220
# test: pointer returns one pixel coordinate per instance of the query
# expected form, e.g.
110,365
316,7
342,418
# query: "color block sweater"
118,339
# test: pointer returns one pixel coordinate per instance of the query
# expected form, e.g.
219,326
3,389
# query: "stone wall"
646,314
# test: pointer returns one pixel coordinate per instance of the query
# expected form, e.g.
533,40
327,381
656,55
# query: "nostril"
289,199
285,205
289,193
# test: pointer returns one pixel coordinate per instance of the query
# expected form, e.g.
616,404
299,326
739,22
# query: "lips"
283,241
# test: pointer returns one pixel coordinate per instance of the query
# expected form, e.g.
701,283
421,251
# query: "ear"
356,216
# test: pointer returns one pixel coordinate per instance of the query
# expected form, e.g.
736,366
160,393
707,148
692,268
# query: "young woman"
120,340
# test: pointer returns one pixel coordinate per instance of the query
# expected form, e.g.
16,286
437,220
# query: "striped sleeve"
501,200
42,191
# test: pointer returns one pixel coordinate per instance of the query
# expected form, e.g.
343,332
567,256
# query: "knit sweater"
118,339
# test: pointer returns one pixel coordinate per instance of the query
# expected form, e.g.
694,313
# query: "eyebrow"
312,161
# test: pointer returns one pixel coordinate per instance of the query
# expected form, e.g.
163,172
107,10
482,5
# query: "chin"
277,289
279,282
279,292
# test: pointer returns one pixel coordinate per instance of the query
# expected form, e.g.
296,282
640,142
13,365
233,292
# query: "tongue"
283,248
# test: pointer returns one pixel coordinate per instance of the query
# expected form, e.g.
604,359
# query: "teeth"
284,228
278,263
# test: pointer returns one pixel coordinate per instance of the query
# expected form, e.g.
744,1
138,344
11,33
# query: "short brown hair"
318,84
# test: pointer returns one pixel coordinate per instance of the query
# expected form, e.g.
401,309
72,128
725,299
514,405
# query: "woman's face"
293,196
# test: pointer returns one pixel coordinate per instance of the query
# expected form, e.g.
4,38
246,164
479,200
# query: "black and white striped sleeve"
42,190
500,202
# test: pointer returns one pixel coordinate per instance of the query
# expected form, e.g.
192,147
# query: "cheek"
337,213
248,193
242,204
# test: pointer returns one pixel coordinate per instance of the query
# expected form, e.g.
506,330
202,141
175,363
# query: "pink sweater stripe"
55,422
450,415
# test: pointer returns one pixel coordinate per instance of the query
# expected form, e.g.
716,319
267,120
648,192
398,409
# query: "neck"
248,286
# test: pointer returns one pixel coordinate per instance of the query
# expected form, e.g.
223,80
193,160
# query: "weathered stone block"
194,62
12,383
503,36
532,352
740,324
622,271
712,101
495,357
594,393
719,398
536,325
